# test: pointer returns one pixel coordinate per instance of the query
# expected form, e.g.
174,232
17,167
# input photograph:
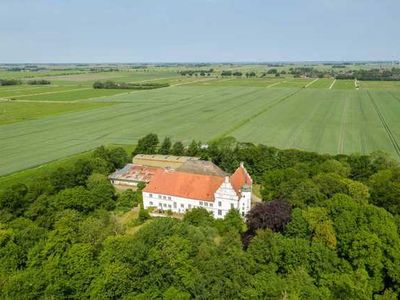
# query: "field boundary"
392,138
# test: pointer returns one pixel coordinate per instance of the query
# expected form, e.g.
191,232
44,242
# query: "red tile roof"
185,185
240,178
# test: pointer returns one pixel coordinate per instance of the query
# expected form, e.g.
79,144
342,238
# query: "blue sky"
198,30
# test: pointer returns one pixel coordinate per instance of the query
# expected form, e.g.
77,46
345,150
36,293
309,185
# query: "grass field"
11,111
283,112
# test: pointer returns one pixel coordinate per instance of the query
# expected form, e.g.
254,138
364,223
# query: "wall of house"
175,204
225,199
217,208
245,203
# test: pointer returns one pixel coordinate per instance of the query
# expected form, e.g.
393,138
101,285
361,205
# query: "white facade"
225,198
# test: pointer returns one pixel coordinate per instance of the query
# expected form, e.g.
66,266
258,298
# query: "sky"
100,31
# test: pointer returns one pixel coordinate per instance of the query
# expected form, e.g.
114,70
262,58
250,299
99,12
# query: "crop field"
283,112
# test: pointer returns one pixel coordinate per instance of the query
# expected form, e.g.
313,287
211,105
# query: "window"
211,205
159,196
219,212
169,206
165,205
175,205
151,203
201,203
242,214
164,197
219,203
151,195
205,204
182,205
232,205
190,206
169,198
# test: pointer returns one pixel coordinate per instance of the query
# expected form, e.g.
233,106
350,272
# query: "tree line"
4,82
123,85
327,228
199,72
371,74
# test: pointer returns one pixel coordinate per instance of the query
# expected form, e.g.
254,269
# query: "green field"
11,111
286,112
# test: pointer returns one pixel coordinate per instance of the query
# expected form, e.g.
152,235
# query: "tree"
147,144
13,198
273,215
232,221
193,149
127,200
102,190
198,217
118,157
77,198
330,184
385,189
178,149
321,226
165,146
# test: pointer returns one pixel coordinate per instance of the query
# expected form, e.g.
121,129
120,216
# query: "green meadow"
47,123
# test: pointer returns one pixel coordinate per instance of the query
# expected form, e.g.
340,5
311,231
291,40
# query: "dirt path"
333,83
310,83
275,84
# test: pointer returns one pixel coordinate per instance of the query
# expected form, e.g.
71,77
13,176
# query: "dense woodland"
328,228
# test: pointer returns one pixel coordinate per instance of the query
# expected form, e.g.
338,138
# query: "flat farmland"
279,112
11,111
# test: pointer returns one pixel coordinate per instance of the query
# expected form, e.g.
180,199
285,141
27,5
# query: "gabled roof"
185,185
240,178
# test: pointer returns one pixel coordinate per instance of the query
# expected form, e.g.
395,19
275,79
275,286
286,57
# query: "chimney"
241,164
226,179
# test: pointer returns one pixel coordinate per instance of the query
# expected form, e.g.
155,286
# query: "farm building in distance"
180,183
144,167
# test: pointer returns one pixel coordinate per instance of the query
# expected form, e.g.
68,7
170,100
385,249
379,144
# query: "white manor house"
181,183
180,191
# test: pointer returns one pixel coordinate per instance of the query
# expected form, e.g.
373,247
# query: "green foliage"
143,215
147,144
165,146
133,86
127,200
193,149
60,237
198,217
178,149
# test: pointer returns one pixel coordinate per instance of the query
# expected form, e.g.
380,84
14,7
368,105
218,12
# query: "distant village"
181,183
